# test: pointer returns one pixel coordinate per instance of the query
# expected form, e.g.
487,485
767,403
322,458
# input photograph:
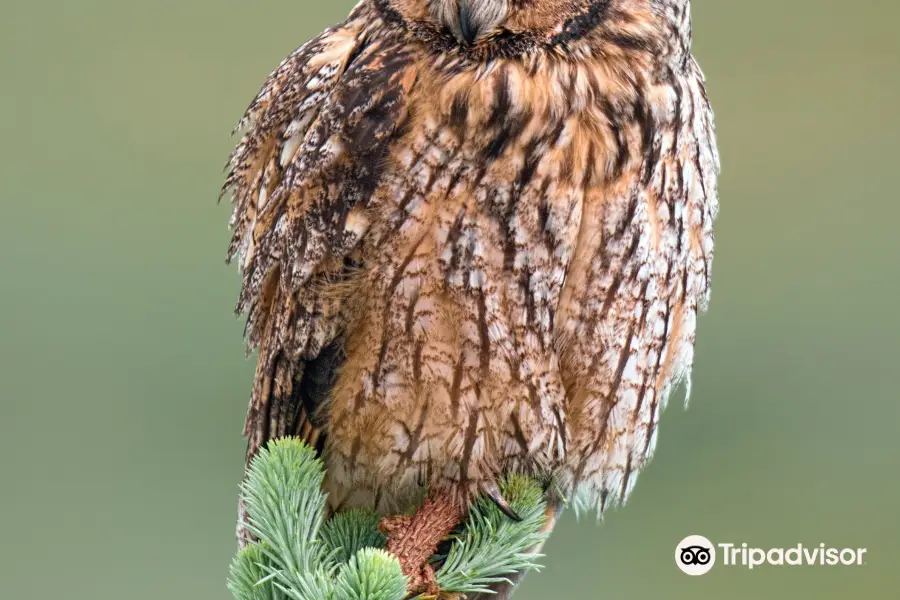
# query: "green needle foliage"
493,546
248,570
348,532
301,556
371,574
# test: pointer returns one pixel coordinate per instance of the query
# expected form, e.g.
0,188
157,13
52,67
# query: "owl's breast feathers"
456,268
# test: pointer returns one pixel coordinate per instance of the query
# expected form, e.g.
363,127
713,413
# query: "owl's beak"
468,29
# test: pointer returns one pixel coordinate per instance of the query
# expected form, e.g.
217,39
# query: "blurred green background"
123,381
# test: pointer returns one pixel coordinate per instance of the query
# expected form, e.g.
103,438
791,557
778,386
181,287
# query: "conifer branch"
298,555
493,546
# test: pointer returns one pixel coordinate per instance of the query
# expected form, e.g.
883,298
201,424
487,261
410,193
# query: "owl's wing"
300,181
634,295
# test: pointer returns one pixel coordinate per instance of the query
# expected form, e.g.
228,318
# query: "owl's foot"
413,540
493,492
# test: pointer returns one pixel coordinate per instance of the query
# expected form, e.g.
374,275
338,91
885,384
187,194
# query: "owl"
474,238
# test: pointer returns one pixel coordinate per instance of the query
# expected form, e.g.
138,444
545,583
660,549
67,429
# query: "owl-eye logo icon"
695,555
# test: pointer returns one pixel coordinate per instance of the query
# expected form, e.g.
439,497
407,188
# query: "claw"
493,492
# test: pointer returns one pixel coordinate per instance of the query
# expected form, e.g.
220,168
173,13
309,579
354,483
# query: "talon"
493,492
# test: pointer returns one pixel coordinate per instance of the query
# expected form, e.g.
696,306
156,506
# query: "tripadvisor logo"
696,555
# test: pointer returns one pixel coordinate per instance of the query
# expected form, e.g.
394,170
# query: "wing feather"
300,179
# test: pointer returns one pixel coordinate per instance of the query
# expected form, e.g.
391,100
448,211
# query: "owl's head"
520,23
473,21
470,21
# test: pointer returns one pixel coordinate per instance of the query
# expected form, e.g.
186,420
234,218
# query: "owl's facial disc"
470,20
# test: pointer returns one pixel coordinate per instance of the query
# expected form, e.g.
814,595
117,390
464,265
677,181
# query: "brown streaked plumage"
474,237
